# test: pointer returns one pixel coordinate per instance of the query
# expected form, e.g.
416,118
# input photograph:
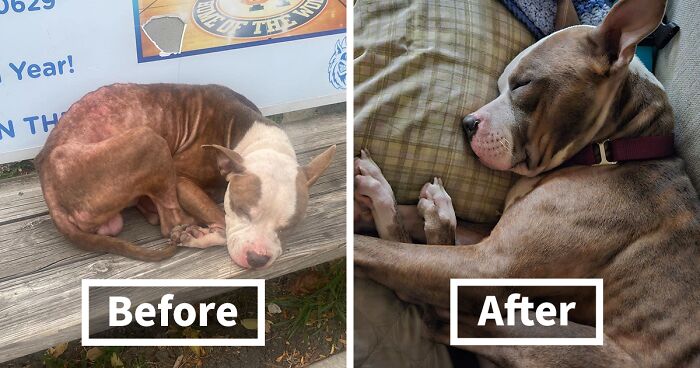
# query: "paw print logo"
337,66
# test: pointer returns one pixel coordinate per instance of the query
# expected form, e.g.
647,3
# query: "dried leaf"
307,282
198,350
93,354
268,326
115,361
250,323
279,358
178,361
190,333
57,350
273,308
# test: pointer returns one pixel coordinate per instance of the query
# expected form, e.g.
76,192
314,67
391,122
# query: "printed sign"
56,51
190,27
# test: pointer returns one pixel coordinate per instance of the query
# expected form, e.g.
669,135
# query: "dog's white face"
560,94
267,193
269,197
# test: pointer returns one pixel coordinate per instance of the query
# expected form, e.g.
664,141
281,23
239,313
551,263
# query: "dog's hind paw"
435,205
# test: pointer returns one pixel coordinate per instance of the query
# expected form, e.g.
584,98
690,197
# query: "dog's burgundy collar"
614,151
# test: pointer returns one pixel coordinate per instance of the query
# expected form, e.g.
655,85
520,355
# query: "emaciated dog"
173,151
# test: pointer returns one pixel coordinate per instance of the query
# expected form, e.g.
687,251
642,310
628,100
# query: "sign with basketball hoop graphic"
193,27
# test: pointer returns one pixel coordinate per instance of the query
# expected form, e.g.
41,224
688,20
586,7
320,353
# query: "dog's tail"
102,243
108,244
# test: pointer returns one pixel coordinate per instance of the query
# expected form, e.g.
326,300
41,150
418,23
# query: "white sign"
292,56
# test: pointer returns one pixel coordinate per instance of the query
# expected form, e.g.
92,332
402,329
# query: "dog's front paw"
194,236
372,190
435,205
374,200
182,235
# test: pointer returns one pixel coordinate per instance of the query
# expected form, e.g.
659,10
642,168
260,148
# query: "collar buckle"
603,156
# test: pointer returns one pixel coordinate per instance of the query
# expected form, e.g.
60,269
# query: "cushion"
391,333
678,69
420,66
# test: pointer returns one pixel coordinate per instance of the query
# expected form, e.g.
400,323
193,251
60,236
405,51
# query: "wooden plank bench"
41,273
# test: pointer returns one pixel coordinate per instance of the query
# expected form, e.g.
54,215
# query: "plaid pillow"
420,66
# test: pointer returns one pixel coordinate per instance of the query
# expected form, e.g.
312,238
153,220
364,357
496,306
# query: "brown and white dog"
636,224
174,151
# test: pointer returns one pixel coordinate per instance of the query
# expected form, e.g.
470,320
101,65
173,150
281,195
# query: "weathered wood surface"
41,273
20,199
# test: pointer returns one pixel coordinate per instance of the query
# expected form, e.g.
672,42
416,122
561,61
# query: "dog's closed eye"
516,84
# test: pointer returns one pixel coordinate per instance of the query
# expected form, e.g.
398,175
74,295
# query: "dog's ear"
318,165
627,24
566,15
229,162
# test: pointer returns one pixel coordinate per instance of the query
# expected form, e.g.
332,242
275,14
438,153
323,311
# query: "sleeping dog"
174,151
602,196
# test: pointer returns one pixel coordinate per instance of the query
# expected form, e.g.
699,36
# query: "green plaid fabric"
420,66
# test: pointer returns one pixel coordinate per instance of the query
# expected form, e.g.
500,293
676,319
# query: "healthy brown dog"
170,150
636,224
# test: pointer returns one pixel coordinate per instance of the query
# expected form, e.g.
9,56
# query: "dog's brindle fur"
636,225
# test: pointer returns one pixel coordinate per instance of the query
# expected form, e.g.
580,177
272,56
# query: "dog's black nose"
470,123
257,260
